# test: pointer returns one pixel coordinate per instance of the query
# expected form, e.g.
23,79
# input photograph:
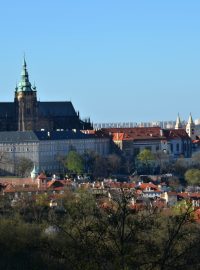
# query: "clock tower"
26,102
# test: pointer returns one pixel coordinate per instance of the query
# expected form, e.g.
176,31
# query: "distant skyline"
117,61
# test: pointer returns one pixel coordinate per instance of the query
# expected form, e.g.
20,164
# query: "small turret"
34,87
16,88
34,173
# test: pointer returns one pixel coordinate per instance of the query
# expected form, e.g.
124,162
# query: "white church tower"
178,122
190,128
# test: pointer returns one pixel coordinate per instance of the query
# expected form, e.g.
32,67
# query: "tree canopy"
192,176
145,156
74,162
102,233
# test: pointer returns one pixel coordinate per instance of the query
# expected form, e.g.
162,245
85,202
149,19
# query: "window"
172,148
177,147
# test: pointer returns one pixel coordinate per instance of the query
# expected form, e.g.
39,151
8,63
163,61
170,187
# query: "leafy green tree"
145,157
173,182
74,162
192,176
20,245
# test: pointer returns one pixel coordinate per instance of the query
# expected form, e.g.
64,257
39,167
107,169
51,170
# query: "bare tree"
23,166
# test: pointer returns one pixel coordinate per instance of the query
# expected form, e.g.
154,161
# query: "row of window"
179,147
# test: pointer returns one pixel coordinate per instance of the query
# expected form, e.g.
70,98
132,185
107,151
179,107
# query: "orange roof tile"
147,185
144,133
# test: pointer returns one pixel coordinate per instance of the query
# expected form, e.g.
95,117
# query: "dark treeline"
119,163
83,232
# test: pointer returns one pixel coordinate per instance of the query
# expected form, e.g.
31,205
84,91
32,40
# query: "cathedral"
27,113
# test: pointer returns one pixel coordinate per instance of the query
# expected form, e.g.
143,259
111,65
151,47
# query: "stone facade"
46,148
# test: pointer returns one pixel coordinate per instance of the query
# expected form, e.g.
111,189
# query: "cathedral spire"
178,122
24,61
24,84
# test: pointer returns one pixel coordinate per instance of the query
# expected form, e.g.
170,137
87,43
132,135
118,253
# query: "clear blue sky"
130,60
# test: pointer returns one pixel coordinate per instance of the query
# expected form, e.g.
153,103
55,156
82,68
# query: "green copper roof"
24,84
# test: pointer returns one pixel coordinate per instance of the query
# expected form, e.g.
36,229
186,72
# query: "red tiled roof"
197,215
189,195
175,133
55,184
134,133
17,181
145,133
147,185
120,185
23,189
194,195
42,176
197,141
118,136
9,188
50,183
183,194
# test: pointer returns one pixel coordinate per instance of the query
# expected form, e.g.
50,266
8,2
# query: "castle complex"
27,113
46,131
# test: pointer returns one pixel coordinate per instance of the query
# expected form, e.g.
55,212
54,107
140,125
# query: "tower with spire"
190,128
178,122
28,113
26,102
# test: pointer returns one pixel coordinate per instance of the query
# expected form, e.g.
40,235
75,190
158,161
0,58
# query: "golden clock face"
20,95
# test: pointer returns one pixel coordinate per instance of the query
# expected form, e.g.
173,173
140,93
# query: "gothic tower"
26,102
178,122
190,128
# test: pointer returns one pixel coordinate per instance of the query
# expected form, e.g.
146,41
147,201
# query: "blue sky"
117,61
